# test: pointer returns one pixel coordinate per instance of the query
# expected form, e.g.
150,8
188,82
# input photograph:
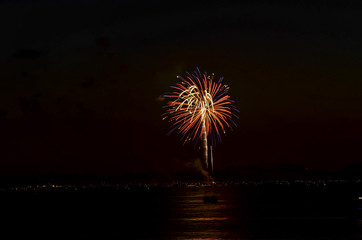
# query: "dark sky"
81,80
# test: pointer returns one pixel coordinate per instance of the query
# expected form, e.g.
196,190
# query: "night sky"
81,83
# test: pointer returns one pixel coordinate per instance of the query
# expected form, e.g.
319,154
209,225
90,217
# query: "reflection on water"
207,219
192,218
240,214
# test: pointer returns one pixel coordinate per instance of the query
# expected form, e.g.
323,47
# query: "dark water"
242,212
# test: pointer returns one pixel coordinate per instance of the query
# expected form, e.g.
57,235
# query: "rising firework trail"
199,108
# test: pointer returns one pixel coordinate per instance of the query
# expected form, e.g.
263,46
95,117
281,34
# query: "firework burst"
200,108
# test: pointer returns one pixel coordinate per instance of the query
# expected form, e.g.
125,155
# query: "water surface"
241,212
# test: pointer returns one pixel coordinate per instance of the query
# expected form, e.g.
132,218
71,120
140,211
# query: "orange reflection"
208,219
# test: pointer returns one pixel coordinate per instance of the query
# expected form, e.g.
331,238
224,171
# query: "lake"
247,211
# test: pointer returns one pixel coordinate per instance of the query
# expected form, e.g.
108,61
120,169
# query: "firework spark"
199,108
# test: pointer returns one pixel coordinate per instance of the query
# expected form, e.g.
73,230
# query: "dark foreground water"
242,212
